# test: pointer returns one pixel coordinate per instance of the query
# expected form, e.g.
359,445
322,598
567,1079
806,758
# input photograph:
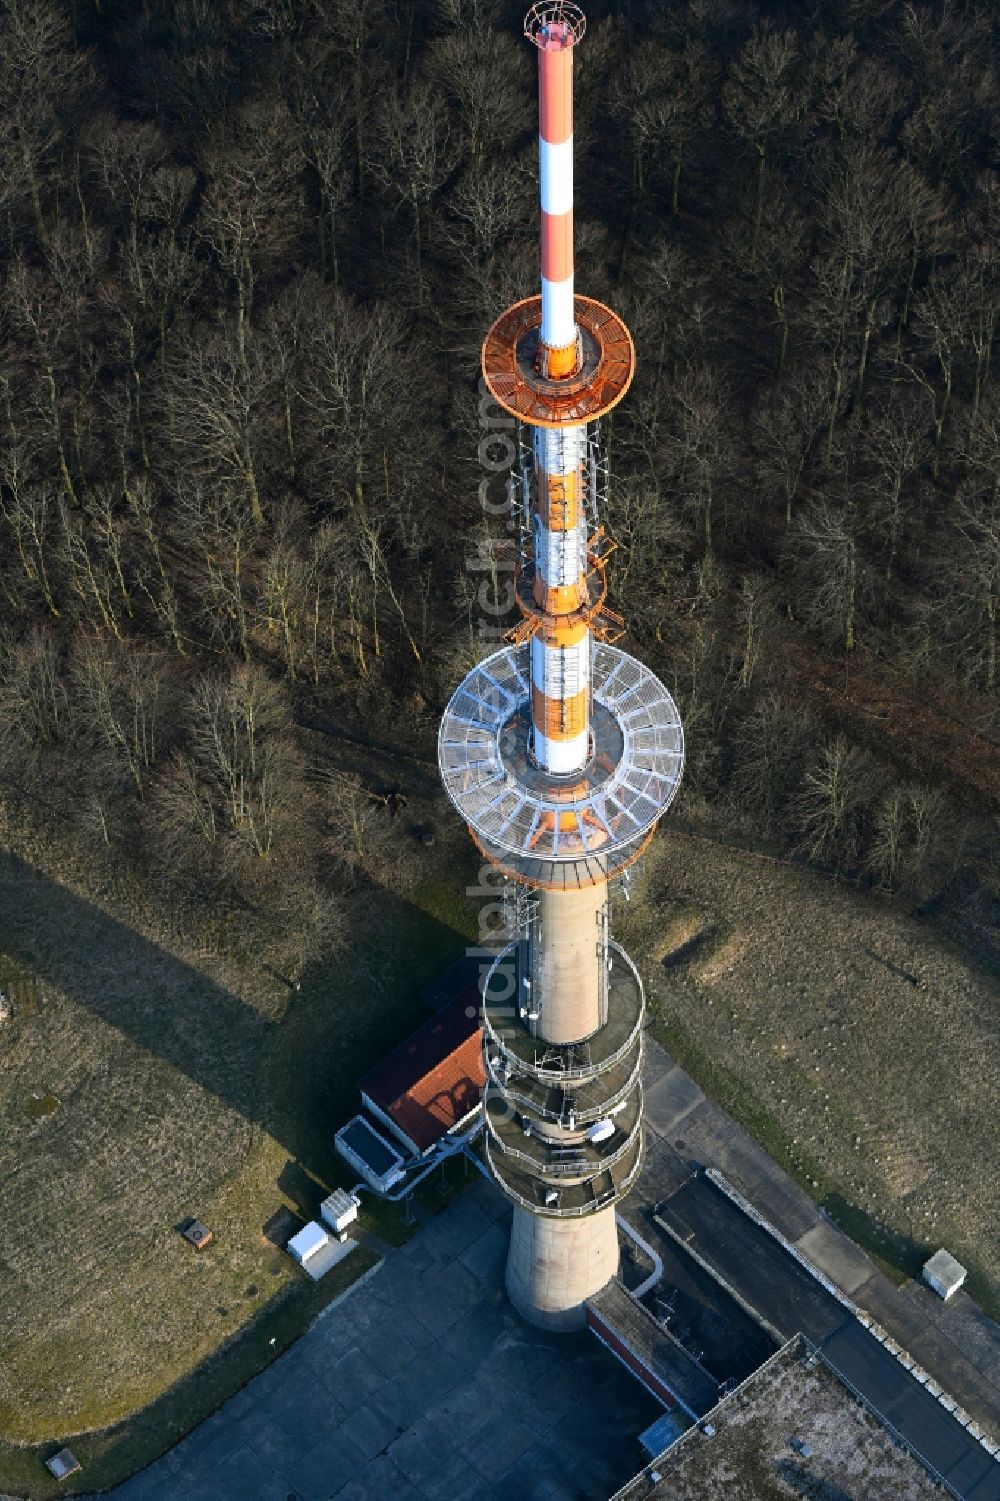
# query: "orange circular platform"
605,374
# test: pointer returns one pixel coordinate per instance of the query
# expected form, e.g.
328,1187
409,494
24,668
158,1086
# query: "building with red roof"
432,1083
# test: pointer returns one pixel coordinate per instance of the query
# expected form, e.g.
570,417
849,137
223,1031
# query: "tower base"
555,1265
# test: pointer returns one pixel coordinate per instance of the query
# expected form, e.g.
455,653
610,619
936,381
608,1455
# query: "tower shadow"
294,1077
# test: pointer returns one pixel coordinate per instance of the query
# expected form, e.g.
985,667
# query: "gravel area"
793,1432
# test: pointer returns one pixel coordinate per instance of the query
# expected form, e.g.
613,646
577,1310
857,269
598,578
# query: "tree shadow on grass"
282,1225
295,1078
302,1188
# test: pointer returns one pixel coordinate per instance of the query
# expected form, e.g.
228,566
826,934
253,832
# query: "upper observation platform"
561,831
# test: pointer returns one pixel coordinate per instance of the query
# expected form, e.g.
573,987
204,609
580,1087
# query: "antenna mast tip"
554,25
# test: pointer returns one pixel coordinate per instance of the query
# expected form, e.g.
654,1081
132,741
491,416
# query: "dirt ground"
854,1041
750,1457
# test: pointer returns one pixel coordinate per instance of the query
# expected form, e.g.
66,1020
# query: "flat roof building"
666,1369
791,1430
368,1153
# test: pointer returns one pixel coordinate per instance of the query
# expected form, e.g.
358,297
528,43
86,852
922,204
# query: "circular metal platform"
551,830
566,1156
575,1199
510,354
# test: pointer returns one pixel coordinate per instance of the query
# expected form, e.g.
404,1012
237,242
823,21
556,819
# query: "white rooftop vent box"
944,1274
311,1239
601,1131
339,1210
316,1252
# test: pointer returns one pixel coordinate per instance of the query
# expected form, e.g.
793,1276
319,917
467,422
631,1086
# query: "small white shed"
310,1241
944,1274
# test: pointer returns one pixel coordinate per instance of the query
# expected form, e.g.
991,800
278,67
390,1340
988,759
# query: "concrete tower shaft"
561,752
554,1266
566,973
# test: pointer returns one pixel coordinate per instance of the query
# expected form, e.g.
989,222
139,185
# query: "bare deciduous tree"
763,96
756,614
467,65
771,746
237,787
831,570
415,156
35,718
787,425
121,696
896,443
218,533
700,445
968,579
908,824
43,82
666,99
218,417
251,209
830,807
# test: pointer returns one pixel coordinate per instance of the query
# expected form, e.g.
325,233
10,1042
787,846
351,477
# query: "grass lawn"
856,1044
141,1083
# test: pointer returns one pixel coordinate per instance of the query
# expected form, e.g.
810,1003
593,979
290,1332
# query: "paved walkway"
420,1385
760,1270
954,1341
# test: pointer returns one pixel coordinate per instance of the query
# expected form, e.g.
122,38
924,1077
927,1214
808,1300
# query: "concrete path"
955,1341
759,1270
420,1385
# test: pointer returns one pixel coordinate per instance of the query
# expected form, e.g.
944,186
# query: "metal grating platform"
540,822
560,1063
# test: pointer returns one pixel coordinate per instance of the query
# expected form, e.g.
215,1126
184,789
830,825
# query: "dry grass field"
855,1042
142,1082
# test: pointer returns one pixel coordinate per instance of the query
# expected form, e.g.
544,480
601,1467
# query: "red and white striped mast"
555,38
561,752
560,670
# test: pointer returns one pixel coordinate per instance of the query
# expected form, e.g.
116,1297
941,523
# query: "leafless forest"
249,252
